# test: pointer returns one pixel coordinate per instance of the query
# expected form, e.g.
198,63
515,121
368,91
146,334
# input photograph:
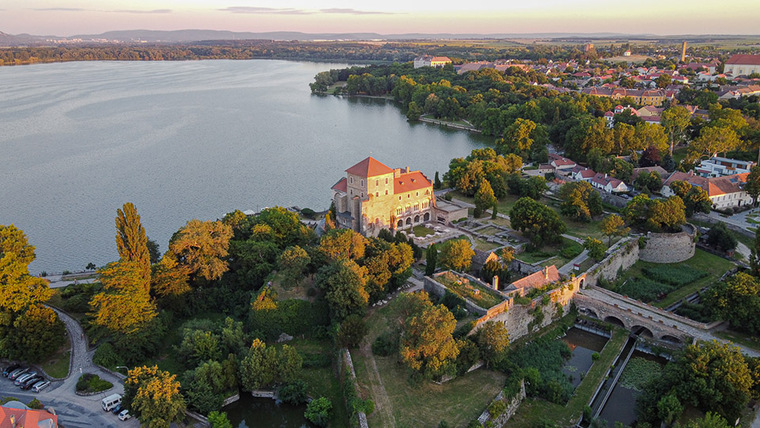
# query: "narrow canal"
251,412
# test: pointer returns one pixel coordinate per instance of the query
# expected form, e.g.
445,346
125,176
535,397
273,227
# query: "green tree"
456,255
492,340
293,262
342,244
669,409
258,368
18,289
663,80
754,258
344,284
437,182
154,396
37,333
431,260
318,411
595,247
580,201
484,197
613,225
752,186
427,345
737,301
697,200
352,331
711,420
202,247
713,140
674,120
650,135
131,241
289,364
538,222
124,306
648,182
219,420
414,111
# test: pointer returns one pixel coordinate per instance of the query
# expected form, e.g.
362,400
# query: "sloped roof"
341,185
369,167
410,181
744,59
26,418
714,186
539,279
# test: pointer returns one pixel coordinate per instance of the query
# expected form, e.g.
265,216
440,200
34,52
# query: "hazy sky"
68,17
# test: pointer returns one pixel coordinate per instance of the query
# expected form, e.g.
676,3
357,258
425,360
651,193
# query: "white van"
110,402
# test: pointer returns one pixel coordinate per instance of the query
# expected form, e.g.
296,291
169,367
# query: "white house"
718,167
724,192
608,184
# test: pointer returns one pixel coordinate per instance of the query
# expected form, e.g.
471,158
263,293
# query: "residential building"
560,163
431,61
742,65
15,414
724,192
374,196
540,279
608,184
718,167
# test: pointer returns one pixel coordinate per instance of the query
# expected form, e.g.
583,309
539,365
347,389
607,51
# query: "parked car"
39,386
116,409
27,384
23,378
18,372
8,370
124,415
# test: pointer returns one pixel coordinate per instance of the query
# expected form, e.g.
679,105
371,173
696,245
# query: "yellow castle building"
374,196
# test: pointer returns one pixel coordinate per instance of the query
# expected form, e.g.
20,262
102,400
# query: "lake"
183,140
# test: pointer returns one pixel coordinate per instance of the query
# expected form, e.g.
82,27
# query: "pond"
583,345
250,412
621,406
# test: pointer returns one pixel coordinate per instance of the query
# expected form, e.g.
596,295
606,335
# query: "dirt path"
383,404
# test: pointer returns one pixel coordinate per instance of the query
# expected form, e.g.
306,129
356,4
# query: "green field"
713,265
402,403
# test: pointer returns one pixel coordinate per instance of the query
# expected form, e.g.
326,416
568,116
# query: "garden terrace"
469,288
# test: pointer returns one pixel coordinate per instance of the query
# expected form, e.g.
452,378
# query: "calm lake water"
183,140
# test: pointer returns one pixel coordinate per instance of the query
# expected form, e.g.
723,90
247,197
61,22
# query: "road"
74,410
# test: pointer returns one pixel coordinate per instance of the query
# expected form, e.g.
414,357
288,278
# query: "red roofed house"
15,414
540,279
374,196
742,65
724,192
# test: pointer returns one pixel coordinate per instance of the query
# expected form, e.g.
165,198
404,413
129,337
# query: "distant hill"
188,36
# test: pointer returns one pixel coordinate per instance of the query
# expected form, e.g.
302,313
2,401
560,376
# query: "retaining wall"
621,257
669,247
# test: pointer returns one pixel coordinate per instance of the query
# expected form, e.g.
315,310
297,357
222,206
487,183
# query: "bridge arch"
671,339
614,320
642,331
590,312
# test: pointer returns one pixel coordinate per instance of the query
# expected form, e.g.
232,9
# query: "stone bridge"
637,317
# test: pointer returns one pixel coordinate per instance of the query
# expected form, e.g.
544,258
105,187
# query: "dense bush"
294,317
294,392
673,274
541,363
89,382
697,312
571,250
386,344
106,356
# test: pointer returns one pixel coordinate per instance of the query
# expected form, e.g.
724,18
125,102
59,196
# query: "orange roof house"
15,414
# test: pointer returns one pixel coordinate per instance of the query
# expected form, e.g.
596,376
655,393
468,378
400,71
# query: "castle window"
362,183
416,207
398,211
386,192
351,179
399,197
362,194
386,180
417,194
408,195
377,182
377,194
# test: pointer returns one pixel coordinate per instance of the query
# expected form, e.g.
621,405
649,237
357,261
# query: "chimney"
495,282
546,273
407,170
13,421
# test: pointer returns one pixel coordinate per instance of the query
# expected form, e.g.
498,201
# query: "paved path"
75,410
686,325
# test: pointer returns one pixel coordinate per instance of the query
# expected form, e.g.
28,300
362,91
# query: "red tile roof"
341,185
744,59
715,186
539,279
26,418
369,167
410,181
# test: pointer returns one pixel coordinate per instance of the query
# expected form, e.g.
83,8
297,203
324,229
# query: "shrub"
308,213
595,356
497,408
386,344
352,331
463,330
106,356
36,404
293,393
318,411
571,250
89,382
645,289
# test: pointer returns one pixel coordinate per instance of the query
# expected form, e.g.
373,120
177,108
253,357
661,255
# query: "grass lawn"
740,338
485,245
715,267
553,252
533,411
57,366
490,231
323,381
505,204
422,231
400,403
583,230
500,221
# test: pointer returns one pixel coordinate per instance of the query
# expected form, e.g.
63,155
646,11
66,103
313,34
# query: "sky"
663,17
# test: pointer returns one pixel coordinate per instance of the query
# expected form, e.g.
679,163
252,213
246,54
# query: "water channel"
251,412
583,345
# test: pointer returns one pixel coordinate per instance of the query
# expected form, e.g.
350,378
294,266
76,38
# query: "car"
29,382
18,372
8,370
116,409
23,378
124,415
39,386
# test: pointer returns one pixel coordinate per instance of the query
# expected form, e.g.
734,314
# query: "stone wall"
512,407
351,373
669,247
621,257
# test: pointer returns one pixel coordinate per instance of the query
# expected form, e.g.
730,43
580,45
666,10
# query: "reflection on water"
251,412
583,345
621,406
